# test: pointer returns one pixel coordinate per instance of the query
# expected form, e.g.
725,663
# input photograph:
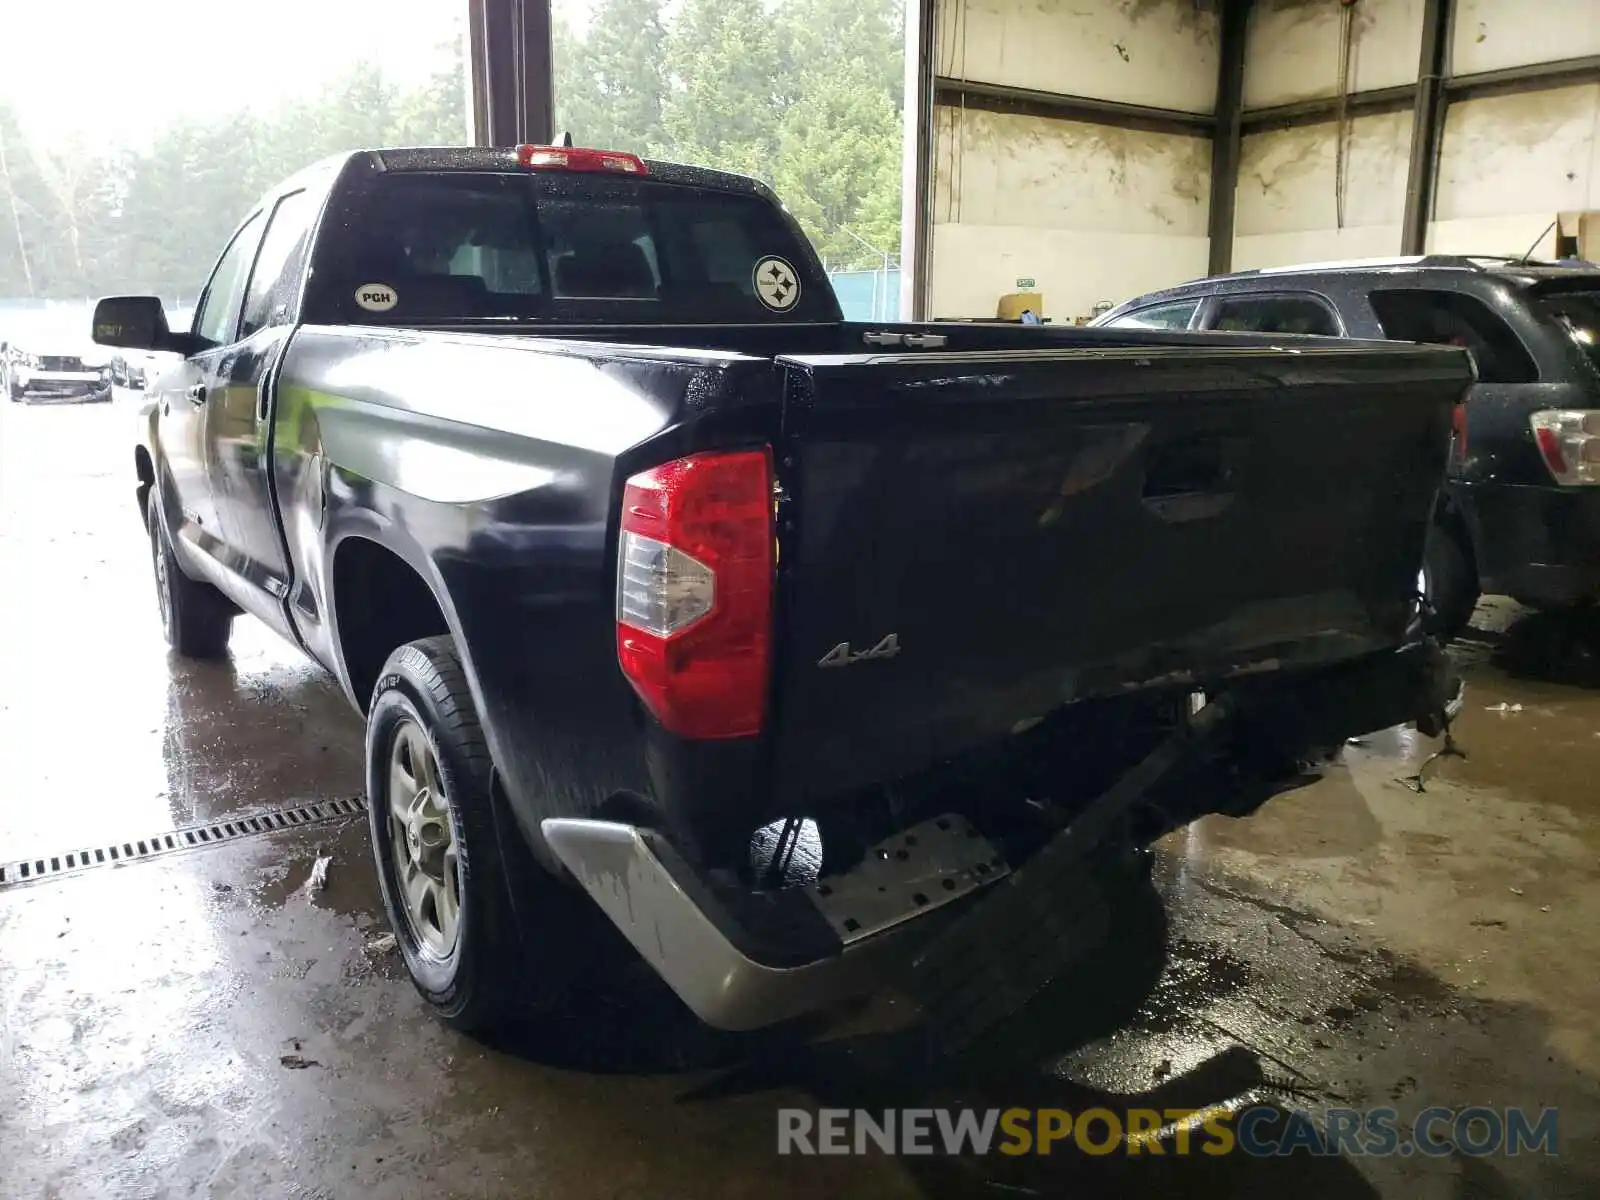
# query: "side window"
1161,316
1274,314
1456,319
269,299
219,311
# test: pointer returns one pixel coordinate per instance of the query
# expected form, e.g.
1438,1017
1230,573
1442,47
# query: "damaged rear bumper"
652,895
1416,685
742,959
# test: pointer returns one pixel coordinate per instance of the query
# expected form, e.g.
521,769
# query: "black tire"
196,618
1449,581
488,975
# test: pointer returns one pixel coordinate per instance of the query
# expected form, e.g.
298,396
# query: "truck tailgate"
971,540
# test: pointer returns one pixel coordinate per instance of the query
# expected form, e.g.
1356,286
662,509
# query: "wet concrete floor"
203,1025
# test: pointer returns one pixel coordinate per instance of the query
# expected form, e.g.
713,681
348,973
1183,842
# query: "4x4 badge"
842,656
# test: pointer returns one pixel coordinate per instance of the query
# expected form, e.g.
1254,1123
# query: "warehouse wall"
1292,48
1087,211
1093,213
1286,208
1493,34
1161,53
1508,164
1287,204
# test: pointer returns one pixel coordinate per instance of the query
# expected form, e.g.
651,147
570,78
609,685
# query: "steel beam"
1427,124
1322,109
996,97
536,90
917,159
512,99
1533,77
1226,134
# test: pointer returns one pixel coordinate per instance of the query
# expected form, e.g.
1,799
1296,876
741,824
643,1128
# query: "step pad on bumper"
673,916
914,872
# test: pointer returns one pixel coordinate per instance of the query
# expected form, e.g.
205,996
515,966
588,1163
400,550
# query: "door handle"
197,393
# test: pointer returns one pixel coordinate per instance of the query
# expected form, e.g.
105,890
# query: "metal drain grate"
187,837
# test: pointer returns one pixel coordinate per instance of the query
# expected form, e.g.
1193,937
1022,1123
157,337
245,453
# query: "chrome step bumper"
703,951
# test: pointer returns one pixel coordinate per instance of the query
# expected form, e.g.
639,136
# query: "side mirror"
132,323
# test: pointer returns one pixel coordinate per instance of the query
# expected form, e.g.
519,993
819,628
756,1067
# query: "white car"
55,369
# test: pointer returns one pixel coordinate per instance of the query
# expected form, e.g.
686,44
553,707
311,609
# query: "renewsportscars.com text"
1261,1131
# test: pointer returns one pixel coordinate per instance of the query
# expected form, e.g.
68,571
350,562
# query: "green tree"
578,107
723,105
804,94
820,36
22,203
183,198
57,208
839,167
623,62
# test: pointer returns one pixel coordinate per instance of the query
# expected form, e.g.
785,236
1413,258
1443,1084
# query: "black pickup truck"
632,551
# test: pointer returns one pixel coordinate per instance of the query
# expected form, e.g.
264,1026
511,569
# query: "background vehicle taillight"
1569,440
694,591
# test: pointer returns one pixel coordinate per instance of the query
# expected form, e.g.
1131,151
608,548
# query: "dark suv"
1519,514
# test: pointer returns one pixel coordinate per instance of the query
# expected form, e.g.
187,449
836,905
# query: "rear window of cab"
418,247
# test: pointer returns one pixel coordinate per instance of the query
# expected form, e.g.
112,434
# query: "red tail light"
1458,444
577,158
694,591
1569,440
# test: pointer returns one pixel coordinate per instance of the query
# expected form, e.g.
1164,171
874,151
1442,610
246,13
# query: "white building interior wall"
1291,48
1508,164
1085,211
1160,53
1287,206
1491,35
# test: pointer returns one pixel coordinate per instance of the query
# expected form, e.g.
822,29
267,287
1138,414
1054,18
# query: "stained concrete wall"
1161,53
1511,163
1506,154
1088,212
1100,214
1286,210
1492,34
1292,48
1508,163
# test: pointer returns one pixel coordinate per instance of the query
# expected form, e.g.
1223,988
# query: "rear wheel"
451,887
196,618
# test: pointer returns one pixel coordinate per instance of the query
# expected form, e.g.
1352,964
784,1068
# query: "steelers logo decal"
777,285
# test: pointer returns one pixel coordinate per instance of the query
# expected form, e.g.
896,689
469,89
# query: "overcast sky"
123,68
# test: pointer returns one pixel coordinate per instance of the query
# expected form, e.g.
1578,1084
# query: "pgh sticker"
376,297
777,285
